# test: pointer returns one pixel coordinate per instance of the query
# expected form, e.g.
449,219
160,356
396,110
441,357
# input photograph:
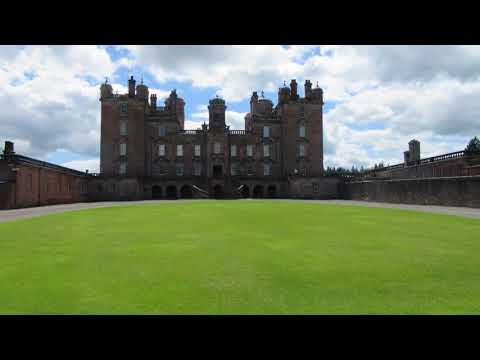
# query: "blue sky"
377,97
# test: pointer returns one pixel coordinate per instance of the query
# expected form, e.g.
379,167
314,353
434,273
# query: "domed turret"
106,91
283,94
142,91
216,113
317,94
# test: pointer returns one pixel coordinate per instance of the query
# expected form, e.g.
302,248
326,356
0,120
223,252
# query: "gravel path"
8,215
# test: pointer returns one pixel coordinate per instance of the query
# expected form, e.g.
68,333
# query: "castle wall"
315,188
448,191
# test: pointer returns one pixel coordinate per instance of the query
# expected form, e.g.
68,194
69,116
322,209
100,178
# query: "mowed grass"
240,257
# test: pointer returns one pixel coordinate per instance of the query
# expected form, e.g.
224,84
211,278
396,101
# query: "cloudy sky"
377,98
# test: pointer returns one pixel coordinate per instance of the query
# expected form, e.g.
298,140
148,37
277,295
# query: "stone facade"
451,191
26,182
147,145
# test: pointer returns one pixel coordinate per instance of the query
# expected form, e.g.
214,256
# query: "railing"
237,132
190,132
453,155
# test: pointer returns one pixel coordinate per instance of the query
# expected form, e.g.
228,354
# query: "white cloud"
92,165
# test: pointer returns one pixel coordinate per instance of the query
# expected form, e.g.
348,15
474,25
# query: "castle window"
249,150
217,148
124,108
197,169
303,171
123,149
162,131
235,169
301,131
123,127
301,150
267,131
179,150
250,170
266,150
197,150
233,150
315,187
267,169
123,168
161,150
302,113
179,169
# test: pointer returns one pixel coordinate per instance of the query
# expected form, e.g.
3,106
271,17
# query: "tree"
473,147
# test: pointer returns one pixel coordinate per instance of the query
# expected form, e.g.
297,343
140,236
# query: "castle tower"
414,150
131,87
253,103
293,89
317,95
142,92
153,102
106,91
176,105
283,94
308,89
216,113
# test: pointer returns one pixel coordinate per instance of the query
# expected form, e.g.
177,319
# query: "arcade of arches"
186,191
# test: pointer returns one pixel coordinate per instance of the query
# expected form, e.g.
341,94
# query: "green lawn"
240,257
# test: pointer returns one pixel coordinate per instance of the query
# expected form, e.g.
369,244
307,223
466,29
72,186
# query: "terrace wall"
448,191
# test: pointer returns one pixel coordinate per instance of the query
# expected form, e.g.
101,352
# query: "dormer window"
179,150
233,150
217,147
267,169
123,127
301,131
266,150
161,150
267,131
123,149
249,150
301,150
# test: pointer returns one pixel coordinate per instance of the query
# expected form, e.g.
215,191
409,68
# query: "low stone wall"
315,188
447,191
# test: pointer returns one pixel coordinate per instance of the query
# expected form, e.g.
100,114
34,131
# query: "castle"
146,153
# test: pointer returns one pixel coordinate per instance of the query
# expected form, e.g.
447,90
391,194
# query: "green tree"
473,147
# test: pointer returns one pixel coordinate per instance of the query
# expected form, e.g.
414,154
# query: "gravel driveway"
8,215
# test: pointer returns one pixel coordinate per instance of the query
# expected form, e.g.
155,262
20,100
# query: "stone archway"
156,192
245,192
171,192
258,191
218,191
186,192
272,191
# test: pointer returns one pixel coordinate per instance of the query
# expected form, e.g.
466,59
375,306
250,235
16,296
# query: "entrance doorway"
217,171
156,192
186,192
171,192
272,191
218,191
258,191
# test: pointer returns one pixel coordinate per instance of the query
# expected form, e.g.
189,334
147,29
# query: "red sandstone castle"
146,152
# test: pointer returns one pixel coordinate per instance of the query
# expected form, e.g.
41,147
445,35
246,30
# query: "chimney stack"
153,102
308,89
131,87
8,150
293,90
